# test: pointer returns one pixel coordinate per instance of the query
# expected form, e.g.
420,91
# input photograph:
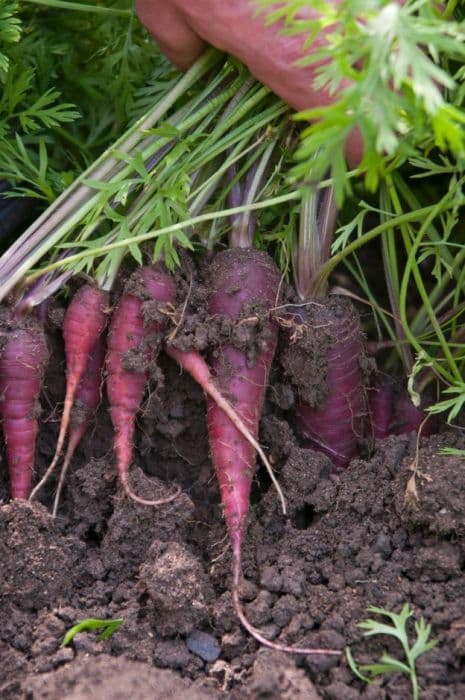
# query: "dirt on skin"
246,326
310,332
350,539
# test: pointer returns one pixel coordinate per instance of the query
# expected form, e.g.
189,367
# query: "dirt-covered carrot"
324,352
84,322
86,402
22,363
391,411
324,365
243,289
133,343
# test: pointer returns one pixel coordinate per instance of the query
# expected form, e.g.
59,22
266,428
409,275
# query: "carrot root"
22,365
327,343
45,478
88,398
72,444
147,502
130,333
192,362
254,632
84,323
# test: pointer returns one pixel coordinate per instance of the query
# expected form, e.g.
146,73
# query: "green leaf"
165,130
183,240
422,643
93,624
453,405
344,233
136,253
356,670
387,666
388,663
386,67
454,451
47,112
10,33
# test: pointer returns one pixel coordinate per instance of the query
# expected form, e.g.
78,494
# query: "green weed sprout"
398,629
454,451
90,624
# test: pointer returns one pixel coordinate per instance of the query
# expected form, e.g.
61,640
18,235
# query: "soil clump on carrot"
350,540
193,327
325,364
304,359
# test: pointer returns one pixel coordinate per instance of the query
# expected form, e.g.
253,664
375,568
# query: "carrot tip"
256,634
146,502
45,478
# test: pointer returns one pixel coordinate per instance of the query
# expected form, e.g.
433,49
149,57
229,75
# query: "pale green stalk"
150,235
82,7
391,266
335,260
452,373
77,200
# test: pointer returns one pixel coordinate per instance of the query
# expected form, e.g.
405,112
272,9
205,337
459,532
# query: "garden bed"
350,540
139,167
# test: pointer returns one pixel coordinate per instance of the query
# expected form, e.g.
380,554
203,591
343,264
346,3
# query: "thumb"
180,44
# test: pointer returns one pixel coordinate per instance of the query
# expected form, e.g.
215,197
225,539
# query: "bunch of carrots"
121,344
119,340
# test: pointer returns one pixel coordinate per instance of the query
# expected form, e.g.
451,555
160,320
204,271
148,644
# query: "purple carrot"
22,365
330,409
84,322
408,418
241,279
130,333
86,402
325,349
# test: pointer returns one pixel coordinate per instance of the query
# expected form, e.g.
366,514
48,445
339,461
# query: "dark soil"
350,540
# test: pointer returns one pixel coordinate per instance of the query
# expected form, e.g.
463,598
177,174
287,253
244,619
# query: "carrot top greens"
69,86
397,69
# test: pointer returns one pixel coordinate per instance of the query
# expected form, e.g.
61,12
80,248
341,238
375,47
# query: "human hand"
183,28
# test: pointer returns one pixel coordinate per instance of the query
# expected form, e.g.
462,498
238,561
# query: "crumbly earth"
350,540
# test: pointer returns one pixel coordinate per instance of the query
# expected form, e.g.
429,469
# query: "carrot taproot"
244,287
86,402
324,353
84,322
132,345
22,364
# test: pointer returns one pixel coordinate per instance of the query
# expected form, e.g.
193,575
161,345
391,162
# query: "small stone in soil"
204,645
